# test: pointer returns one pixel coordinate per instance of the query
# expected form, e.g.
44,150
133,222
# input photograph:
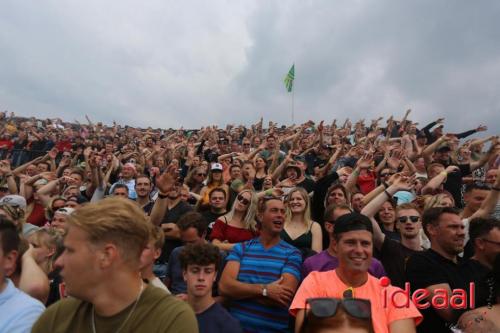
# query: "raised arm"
491,200
401,183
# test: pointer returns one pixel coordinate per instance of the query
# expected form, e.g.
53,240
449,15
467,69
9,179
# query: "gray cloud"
194,63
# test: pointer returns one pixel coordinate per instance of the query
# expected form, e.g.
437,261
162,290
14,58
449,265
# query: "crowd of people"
380,226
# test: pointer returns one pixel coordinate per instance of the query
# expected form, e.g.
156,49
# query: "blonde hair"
437,200
116,220
50,238
249,218
306,214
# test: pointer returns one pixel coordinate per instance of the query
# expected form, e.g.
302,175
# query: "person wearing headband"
353,241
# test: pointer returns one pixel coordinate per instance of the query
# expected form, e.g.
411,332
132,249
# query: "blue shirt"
263,266
216,319
18,311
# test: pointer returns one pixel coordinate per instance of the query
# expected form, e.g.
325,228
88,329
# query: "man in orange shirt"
353,237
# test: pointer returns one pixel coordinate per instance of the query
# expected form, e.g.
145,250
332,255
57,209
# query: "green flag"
289,79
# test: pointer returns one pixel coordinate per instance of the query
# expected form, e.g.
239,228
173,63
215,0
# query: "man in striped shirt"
262,274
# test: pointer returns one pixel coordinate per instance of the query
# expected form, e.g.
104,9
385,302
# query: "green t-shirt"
156,312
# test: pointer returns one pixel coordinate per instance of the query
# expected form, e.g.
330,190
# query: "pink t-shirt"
328,284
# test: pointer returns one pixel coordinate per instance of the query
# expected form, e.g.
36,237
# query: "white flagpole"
293,97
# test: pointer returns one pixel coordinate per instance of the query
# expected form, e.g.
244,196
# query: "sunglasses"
243,200
202,174
387,174
327,307
413,219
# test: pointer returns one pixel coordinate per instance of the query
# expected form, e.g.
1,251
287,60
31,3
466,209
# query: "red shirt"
63,145
7,143
37,216
225,232
366,182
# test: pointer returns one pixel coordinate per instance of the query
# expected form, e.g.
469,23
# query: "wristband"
8,175
444,173
495,188
386,186
388,194
162,196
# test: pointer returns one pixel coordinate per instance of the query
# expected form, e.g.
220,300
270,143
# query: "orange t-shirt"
328,284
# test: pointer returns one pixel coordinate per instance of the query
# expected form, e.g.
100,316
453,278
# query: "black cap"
352,222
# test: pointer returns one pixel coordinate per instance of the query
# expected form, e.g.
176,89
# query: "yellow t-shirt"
328,284
156,311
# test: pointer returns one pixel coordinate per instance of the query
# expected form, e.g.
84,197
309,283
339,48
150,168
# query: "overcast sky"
192,63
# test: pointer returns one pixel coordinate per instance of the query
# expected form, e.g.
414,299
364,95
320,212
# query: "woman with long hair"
238,225
195,178
386,217
260,172
300,231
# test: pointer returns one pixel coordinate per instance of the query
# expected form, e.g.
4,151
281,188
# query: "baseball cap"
299,158
444,147
216,166
14,200
65,210
352,222
293,165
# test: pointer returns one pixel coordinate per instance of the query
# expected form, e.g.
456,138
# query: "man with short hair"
193,230
327,260
120,190
143,189
357,203
217,204
353,241
474,195
394,254
200,263
128,173
437,267
262,274
485,237
18,311
101,270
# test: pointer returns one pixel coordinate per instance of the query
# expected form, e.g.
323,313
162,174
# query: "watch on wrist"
264,290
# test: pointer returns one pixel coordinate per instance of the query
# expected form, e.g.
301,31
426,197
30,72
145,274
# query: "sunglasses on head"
413,219
242,199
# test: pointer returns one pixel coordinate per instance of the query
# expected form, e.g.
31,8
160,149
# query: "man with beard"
167,210
438,267
143,189
262,274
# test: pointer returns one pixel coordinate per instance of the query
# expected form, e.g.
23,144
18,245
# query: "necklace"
128,316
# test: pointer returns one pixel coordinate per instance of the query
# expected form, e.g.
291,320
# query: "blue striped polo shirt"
261,266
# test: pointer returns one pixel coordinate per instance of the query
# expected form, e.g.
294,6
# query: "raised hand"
395,160
404,183
5,167
166,181
481,128
366,161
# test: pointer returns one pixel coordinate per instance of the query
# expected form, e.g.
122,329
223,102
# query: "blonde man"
101,269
